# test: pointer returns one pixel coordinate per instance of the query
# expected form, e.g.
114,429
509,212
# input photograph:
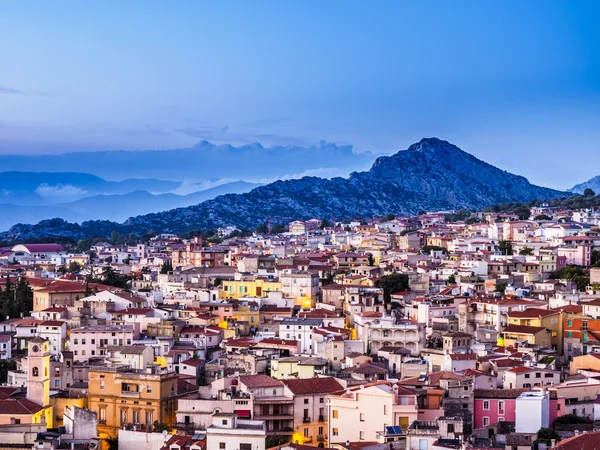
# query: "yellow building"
252,288
298,367
123,396
517,334
543,318
246,313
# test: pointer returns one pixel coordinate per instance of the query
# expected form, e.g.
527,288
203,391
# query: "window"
538,375
322,400
102,384
335,431
306,432
584,324
221,445
224,422
35,371
75,341
362,435
526,375
501,405
306,401
569,323
320,430
245,446
385,410
486,405
362,417
450,428
149,388
486,421
334,413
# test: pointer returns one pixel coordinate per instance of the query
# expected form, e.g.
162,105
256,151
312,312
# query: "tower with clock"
38,376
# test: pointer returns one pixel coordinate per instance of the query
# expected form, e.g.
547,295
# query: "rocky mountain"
430,175
593,184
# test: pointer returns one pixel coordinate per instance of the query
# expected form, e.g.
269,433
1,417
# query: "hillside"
430,175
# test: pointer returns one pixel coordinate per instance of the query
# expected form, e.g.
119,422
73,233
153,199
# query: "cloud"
266,121
14,91
188,186
60,192
9,90
203,132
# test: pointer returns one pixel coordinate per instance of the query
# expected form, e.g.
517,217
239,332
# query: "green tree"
546,435
74,267
589,193
325,223
526,251
166,267
505,247
451,280
436,248
5,366
500,287
397,282
113,443
542,217
371,260
388,217
576,274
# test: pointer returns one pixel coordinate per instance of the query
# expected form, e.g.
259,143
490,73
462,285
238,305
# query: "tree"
546,436
589,193
166,267
435,248
542,217
113,443
325,223
397,282
451,280
500,287
5,366
576,274
388,217
505,247
523,212
471,220
526,251
16,298
74,267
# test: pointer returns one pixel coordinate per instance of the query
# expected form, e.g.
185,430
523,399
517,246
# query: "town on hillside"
446,330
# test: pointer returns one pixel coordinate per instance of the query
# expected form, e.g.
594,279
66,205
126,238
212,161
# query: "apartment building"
92,341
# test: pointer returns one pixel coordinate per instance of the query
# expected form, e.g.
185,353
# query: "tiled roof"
19,406
498,393
586,441
258,381
313,385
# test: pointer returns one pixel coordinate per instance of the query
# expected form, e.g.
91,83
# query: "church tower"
38,376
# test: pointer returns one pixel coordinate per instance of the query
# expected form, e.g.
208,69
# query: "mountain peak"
434,145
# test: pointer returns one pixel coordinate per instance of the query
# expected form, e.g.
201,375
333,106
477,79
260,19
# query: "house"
528,377
310,406
118,395
518,334
228,432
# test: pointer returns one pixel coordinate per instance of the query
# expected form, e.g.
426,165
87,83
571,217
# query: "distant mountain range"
593,184
430,175
30,197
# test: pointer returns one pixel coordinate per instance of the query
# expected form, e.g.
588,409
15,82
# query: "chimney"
552,443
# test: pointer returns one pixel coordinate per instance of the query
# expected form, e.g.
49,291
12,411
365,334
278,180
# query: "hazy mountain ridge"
430,175
592,183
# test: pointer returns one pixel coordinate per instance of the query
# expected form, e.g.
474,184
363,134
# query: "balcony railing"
306,419
130,394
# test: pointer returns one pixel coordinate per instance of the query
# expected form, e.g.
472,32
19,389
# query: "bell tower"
38,375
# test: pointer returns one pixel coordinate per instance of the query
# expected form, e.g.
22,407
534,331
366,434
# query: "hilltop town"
444,330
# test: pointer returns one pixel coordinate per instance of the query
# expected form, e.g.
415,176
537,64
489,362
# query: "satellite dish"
165,432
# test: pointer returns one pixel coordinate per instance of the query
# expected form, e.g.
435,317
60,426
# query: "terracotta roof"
313,385
498,393
523,329
532,313
585,441
258,381
19,406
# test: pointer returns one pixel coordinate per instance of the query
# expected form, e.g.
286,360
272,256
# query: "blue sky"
515,83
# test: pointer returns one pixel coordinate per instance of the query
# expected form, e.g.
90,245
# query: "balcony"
321,418
306,420
272,416
130,394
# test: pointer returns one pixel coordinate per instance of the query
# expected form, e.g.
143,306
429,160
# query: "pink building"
499,405
580,255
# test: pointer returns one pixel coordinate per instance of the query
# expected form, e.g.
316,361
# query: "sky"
515,83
